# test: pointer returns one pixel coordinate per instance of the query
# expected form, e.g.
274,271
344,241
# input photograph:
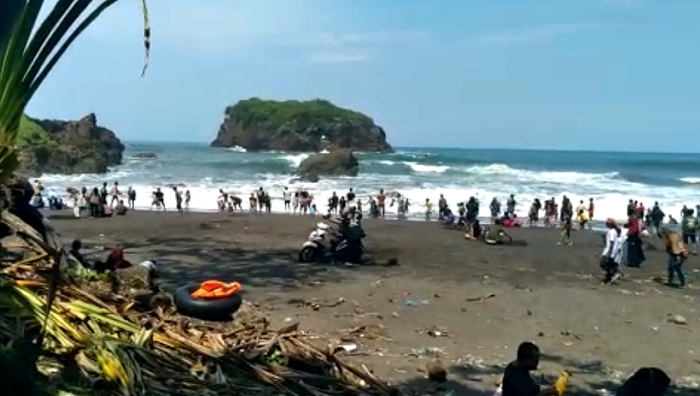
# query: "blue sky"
556,74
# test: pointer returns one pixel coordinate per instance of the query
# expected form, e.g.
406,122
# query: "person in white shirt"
287,196
612,253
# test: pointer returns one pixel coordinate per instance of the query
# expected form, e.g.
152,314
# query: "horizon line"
399,147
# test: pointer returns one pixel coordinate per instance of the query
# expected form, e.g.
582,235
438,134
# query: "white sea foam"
457,184
691,180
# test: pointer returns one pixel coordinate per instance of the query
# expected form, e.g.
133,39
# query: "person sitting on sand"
115,260
517,380
496,234
75,247
121,208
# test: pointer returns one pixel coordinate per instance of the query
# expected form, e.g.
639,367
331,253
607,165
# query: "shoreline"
597,225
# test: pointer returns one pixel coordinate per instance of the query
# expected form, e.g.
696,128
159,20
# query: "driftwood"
114,348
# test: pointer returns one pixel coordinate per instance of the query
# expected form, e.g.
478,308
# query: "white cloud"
339,57
541,33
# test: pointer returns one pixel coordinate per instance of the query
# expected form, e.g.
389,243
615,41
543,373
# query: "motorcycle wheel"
308,254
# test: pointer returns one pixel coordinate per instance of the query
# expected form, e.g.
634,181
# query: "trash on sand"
415,303
437,332
481,298
370,332
678,319
429,351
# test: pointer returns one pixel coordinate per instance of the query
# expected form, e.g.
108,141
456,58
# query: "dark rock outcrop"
298,126
339,162
70,147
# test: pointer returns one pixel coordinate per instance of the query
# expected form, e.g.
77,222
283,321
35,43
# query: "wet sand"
485,299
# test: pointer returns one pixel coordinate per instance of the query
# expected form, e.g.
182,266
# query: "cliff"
301,126
67,147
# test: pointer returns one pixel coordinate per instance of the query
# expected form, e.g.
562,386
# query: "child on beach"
565,236
312,211
428,209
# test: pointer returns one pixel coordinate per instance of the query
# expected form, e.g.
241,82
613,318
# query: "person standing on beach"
131,197
115,193
261,199
495,207
635,253
657,216
252,203
381,203
351,195
188,198
676,256
295,202
689,227
442,207
591,211
510,206
333,203
103,193
611,257
178,200
517,380
428,209
287,197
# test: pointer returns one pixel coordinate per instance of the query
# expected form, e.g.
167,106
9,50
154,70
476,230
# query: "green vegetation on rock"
274,114
32,134
298,126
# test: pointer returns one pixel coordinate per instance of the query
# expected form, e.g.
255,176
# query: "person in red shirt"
635,253
640,210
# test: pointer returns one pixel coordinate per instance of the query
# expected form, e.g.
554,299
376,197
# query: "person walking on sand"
689,227
565,235
676,256
635,252
517,378
178,200
612,253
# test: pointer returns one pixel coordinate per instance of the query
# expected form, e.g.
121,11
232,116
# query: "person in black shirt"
351,195
178,200
517,380
160,198
75,252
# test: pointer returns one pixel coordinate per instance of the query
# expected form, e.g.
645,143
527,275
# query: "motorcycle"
325,244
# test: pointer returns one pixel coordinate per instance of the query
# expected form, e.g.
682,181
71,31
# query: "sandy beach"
464,303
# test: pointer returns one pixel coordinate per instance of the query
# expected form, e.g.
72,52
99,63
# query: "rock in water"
301,126
335,163
67,147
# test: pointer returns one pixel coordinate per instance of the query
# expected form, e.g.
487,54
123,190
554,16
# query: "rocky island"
66,147
298,126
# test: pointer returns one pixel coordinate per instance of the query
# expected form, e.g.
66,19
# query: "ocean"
418,173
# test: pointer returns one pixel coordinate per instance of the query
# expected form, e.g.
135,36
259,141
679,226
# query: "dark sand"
539,291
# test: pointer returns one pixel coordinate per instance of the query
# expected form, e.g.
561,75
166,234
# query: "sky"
619,75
